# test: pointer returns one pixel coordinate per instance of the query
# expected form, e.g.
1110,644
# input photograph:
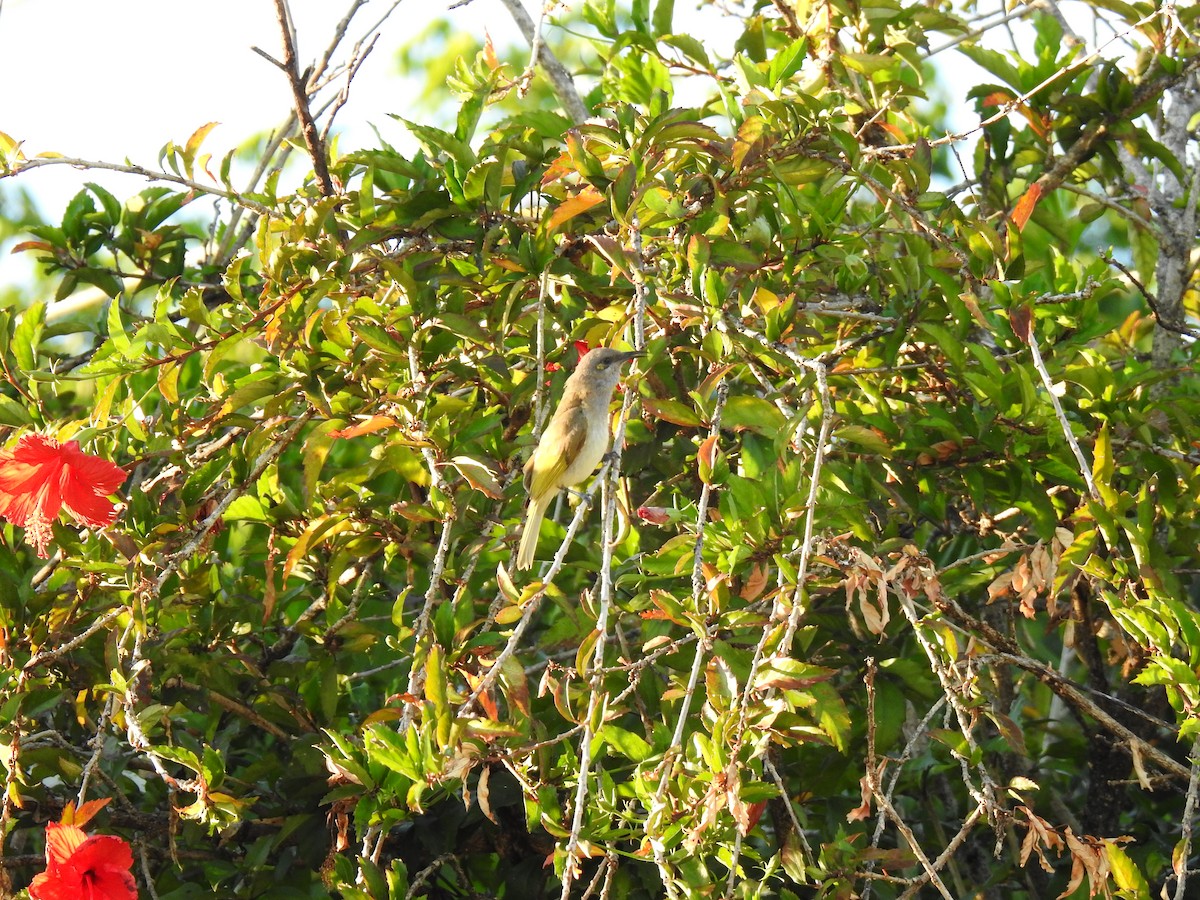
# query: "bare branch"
151,174
560,78
1189,813
308,128
1085,468
1150,299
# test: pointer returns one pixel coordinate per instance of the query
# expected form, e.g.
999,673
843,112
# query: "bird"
575,441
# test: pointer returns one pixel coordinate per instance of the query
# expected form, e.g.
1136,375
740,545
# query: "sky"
117,79
110,79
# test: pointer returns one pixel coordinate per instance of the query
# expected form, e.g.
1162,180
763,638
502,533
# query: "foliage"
888,588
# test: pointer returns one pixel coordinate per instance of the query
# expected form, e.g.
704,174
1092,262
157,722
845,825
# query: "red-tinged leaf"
997,98
375,423
387,714
557,169
889,857
482,790
749,135
198,136
655,515
863,810
668,608
1021,318
32,245
784,673
706,458
479,475
756,582
573,206
493,63
652,615
507,264
1011,732
1026,205
672,411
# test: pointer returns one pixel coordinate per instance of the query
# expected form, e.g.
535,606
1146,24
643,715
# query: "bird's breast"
595,445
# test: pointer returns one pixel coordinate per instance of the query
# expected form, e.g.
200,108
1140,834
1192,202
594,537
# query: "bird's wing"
561,443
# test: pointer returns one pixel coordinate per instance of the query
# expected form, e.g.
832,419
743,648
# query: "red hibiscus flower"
79,867
40,476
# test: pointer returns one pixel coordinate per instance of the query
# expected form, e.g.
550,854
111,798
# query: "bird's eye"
602,366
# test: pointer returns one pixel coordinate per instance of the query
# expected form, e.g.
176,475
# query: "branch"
130,169
1006,650
1189,811
1140,96
560,78
312,139
103,622
1150,299
1084,468
598,698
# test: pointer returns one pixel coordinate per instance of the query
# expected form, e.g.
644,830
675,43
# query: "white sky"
110,79
117,79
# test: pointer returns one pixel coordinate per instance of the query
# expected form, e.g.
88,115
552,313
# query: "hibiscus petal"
86,483
39,476
106,859
62,841
55,886
30,479
104,476
80,866
18,477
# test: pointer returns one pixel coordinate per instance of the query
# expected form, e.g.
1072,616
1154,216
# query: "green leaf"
438,142
864,437
753,413
28,334
628,744
664,14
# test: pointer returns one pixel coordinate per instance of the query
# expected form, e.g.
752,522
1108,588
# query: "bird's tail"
529,537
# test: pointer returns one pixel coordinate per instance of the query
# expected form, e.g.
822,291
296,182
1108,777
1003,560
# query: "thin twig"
433,594
1084,468
1183,851
658,812
97,743
1147,89
1150,299
560,78
308,128
810,507
907,833
945,856
152,174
